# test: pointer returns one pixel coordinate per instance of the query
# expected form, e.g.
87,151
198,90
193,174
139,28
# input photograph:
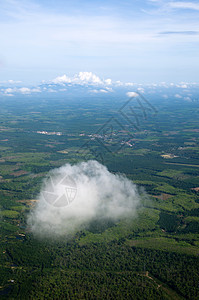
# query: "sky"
128,40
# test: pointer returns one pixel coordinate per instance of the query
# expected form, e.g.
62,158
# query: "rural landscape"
151,140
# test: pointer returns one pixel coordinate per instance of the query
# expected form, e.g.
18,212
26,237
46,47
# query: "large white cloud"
92,193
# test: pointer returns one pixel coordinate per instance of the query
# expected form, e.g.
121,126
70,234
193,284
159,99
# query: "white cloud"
187,99
108,81
10,81
141,90
51,91
81,78
184,5
184,86
9,90
118,83
36,90
74,195
109,89
14,81
99,91
9,95
24,90
132,94
88,77
178,96
103,91
129,84
61,79
21,90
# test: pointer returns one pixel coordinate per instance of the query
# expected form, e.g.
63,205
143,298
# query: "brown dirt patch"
19,173
163,196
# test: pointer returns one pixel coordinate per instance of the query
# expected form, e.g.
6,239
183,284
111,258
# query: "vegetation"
153,255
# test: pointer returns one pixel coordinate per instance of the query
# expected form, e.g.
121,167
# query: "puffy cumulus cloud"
132,94
60,83
21,90
96,194
27,91
9,90
108,81
24,90
62,79
183,85
83,78
88,77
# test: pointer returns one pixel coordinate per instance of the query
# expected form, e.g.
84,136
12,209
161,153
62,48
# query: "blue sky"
137,41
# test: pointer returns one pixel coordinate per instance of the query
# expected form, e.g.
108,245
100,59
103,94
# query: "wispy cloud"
188,32
10,81
184,5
